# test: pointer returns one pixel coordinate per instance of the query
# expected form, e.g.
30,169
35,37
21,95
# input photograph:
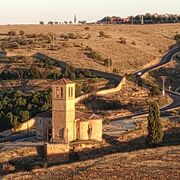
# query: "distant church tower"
63,111
75,19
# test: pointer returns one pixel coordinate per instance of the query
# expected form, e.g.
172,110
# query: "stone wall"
113,90
56,153
103,92
26,125
96,129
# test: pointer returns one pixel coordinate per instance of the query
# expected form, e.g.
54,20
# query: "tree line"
17,107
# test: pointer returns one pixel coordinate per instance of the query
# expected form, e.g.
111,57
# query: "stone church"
63,124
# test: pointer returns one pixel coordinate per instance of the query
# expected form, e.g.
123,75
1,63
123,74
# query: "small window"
69,91
57,92
61,92
61,133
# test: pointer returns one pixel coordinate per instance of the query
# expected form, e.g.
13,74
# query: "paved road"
164,60
128,121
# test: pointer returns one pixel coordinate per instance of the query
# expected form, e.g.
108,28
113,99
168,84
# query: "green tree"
155,133
21,33
24,115
18,93
8,120
35,99
44,107
21,101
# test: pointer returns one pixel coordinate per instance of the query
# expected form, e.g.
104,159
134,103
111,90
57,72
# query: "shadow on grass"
99,103
171,138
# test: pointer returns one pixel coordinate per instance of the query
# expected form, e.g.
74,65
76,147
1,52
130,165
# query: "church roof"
85,116
47,114
63,81
78,115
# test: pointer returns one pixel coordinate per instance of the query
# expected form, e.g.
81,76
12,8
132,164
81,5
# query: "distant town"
138,19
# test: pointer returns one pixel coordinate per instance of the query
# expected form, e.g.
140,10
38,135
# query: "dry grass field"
127,157
143,44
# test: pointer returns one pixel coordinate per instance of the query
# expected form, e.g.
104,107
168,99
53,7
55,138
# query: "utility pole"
53,40
142,19
163,84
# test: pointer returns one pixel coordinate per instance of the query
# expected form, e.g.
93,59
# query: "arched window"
61,92
57,92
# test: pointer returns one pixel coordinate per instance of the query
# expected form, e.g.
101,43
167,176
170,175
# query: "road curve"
175,97
164,60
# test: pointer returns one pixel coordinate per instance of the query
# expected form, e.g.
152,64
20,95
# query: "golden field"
144,43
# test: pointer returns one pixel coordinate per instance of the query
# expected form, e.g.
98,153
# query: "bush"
101,33
72,36
94,55
87,28
21,33
12,33
122,40
133,42
177,38
116,70
154,91
8,168
108,62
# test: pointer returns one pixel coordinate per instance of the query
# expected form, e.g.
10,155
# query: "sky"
33,11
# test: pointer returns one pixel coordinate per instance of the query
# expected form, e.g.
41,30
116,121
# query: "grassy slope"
135,162
149,40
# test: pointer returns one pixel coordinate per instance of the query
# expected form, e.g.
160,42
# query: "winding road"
123,123
164,60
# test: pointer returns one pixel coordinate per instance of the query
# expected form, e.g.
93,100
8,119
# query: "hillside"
129,47
126,157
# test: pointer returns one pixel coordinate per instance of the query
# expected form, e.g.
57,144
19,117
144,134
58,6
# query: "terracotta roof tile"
47,114
85,116
63,81
78,115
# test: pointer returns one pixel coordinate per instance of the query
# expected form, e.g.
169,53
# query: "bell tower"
63,111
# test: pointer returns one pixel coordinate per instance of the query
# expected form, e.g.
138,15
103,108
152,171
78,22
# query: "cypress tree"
155,133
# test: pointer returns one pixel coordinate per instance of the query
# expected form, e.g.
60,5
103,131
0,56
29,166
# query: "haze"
33,11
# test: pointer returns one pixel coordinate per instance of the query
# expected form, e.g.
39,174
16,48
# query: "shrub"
21,33
154,91
87,28
177,38
12,33
116,70
122,40
8,167
87,48
133,42
108,62
94,55
88,36
41,22
72,36
101,33
66,37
